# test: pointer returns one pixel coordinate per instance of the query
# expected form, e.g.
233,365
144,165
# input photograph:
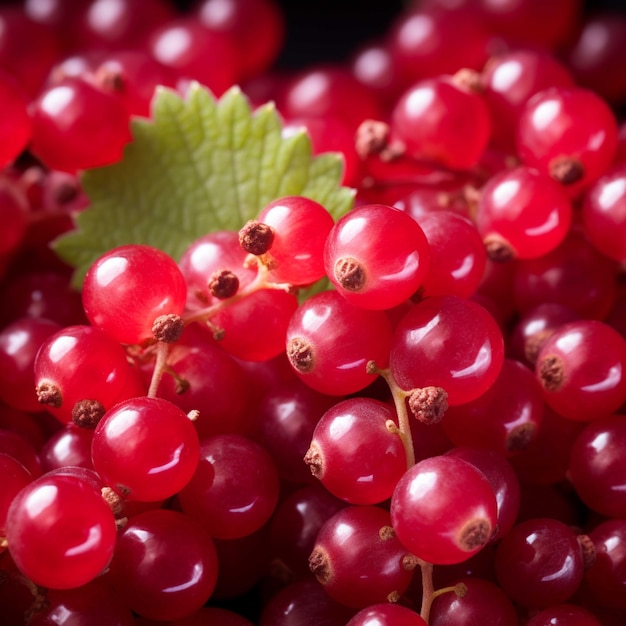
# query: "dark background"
327,30
330,30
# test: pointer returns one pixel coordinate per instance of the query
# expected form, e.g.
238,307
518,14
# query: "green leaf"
197,166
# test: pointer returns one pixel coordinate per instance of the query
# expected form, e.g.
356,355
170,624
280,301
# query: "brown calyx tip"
566,170
49,394
350,274
110,79
313,458
300,355
534,343
521,437
256,237
551,372
428,404
65,191
168,328
469,80
372,137
87,413
410,562
114,500
393,597
223,284
386,533
319,564
475,534
460,589
589,550
497,249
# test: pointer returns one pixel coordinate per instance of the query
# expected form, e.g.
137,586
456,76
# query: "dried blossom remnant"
223,284
349,273
111,78
410,562
521,437
386,533
300,355
87,413
372,137
475,534
256,237
566,170
469,80
429,404
534,343
319,564
49,394
498,250
551,372
114,500
313,458
168,328
589,550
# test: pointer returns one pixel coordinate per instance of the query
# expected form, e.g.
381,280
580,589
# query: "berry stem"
260,282
160,365
399,400
428,589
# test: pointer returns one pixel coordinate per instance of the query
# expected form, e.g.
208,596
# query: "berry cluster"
412,414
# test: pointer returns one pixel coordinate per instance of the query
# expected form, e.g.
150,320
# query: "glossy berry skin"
440,122
304,603
564,615
575,274
597,468
483,603
19,343
14,478
604,213
457,254
195,52
82,362
165,565
366,568
572,123
240,323
354,454
539,563
605,578
214,383
534,328
505,419
95,604
166,438
448,342
330,341
60,532
14,212
296,522
444,510
582,370
15,128
376,256
523,213
211,252
127,288
76,126
510,79
234,489
386,615
255,26
300,227
502,478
